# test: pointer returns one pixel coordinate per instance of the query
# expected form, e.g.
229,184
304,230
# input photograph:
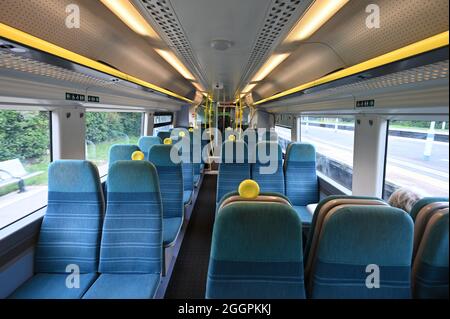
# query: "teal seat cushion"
124,286
171,227
424,202
53,286
187,197
304,214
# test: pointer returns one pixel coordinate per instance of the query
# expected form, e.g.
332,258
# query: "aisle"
188,279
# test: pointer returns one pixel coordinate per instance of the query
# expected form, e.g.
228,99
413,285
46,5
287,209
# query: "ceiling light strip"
429,44
21,37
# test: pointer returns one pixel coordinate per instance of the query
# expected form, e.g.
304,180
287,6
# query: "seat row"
358,247
296,178
85,251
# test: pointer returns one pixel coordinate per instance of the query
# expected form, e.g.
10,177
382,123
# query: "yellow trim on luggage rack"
21,37
429,44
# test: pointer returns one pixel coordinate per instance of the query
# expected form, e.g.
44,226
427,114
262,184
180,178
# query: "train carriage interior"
224,149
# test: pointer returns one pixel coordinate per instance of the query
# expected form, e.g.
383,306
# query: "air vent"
420,74
164,18
280,18
18,63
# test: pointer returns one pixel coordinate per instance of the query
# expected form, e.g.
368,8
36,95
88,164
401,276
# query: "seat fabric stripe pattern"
70,231
132,232
244,264
273,183
352,238
302,186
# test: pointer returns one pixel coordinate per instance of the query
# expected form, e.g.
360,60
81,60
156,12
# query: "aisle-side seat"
430,267
273,182
146,142
424,202
243,262
171,185
121,152
180,136
131,245
70,233
233,169
362,252
302,185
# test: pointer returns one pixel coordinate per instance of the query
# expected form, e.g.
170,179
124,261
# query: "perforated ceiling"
278,22
22,64
163,15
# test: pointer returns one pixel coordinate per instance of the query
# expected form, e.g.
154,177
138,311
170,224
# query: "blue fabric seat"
171,184
121,152
424,202
302,185
354,239
244,264
233,169
146,142
430,268
53,286
273,182
131,246
124,286
70,232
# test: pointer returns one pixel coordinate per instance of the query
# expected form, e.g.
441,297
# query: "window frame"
157,125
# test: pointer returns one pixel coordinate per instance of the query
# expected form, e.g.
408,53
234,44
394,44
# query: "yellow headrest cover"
249,189
181,134
137,156
168,141
191,129
232,138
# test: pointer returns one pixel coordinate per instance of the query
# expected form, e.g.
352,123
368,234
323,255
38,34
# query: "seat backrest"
273,182
422,219
323,208
71,228
132,231
363,252
233,169
430,268
302,185
424,202
163,135
271,136
146,142
170,179
121,152
244,264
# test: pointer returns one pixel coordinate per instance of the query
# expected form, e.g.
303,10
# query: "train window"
417,158
24,157
284,136
104,129
334,140
162,122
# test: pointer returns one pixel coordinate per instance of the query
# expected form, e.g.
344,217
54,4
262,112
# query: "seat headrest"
133,177
121,152
164,155
145,142
73,176
300,152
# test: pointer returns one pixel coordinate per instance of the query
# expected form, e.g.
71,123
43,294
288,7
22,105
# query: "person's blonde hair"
403,198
